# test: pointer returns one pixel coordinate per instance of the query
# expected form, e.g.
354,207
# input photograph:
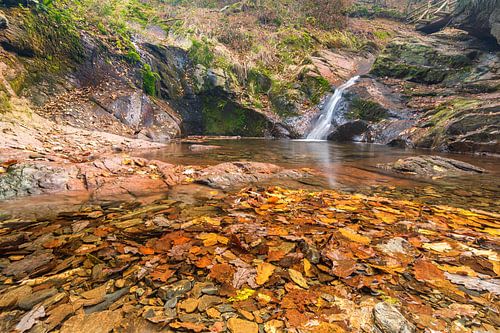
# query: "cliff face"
481,18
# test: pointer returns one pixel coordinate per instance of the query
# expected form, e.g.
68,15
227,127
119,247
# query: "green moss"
222,116
366,110
149,79
133,57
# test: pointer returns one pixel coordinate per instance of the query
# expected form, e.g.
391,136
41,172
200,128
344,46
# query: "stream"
348,166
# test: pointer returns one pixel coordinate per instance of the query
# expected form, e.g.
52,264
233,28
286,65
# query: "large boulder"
481,18
234,174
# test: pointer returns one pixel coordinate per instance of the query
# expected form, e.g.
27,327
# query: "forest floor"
261,259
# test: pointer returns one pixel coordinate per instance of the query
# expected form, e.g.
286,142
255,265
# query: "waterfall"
321,127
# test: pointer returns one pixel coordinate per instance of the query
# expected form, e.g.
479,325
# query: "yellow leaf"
242,295
264,272
212,239
438,247
457,269
385,217
298,278
354,236
308,268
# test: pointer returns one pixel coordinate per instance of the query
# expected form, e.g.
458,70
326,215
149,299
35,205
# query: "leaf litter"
267,259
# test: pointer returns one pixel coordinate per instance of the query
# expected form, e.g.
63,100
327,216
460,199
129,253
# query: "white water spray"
322,125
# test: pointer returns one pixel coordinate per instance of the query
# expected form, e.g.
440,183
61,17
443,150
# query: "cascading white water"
322,125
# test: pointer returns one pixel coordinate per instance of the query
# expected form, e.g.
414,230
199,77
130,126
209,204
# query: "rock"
432,166
236,325
99,322
197,148
28,264
4,23
29,301
208,301
349,131
226,175
29,179
11,298
189,305
176,289
274,326
480,18
423,60
388,319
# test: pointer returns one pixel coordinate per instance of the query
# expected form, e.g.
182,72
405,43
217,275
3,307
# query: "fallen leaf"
298,278
354,236
264,272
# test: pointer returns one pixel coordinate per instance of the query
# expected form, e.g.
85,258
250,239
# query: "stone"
189,305
236,325
274,326
208,301
11,297
388,319
175,289
231,174
29,301
213,313
432,166
197,148
99,322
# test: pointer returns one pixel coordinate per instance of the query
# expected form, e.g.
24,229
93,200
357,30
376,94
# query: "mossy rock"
222,116
366,110
413,61
259,82
285,98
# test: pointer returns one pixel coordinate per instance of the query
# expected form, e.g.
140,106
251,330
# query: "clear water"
345,166
349,166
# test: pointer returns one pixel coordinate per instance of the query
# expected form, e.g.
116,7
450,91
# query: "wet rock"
432,166
349,131
28,179
239,173
389,320
274,326
189,305
208,301
27,302
236,325
197,148
176,289
99,322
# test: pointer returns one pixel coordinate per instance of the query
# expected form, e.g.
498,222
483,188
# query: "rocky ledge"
124,177
432,166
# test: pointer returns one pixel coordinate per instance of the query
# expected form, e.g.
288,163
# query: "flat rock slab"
431,166
235,174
